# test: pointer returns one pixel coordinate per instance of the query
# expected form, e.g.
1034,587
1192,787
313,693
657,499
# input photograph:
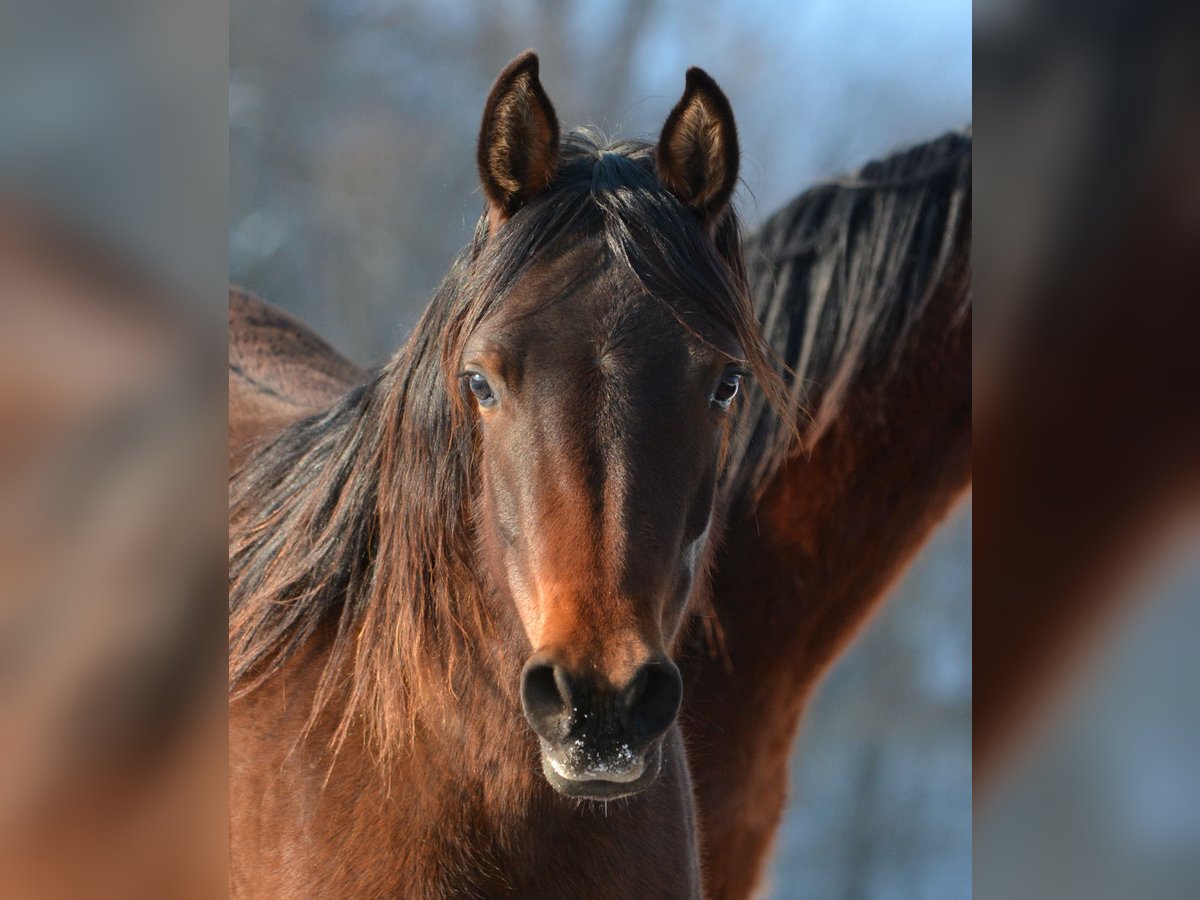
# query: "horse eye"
481,389
726,390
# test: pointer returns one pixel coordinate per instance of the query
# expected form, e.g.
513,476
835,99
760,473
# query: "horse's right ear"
518,141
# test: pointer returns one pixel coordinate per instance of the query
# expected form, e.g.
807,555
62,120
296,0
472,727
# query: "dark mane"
840,277
351,529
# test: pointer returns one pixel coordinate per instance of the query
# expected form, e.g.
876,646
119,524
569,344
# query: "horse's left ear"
518,140
698,150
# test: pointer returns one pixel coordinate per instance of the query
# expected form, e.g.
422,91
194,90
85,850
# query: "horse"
864,284
456,592
862,287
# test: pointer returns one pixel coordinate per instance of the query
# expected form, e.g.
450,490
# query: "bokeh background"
352,127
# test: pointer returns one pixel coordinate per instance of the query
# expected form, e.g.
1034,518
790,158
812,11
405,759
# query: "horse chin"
601,783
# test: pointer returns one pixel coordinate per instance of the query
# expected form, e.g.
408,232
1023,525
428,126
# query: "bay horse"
863,286
456,592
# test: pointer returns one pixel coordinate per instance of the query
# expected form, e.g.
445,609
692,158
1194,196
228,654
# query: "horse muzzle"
598,742
581,772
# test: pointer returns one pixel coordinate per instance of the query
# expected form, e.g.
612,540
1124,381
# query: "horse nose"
547,694
652,699
560,704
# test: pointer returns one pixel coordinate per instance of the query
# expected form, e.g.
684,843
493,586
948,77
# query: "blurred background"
112,447
352,128
1086,725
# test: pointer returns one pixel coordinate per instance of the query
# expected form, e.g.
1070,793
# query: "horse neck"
805,563
802,568
866,291
836,525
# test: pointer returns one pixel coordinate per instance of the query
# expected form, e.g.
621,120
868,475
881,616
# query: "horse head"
602,383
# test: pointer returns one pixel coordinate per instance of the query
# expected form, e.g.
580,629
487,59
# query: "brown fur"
279,371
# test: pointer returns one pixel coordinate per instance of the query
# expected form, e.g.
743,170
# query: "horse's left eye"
726,389
481,389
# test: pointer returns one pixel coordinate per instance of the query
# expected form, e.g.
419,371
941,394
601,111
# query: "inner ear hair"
518,140
698,152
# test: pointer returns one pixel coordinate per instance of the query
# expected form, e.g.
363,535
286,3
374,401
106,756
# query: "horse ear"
698,150
518,141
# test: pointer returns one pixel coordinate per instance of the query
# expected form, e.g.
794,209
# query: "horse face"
601,421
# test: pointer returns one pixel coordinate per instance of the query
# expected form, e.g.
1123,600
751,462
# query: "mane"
840,278
350,532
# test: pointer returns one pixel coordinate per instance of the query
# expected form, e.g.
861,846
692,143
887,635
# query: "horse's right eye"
481,389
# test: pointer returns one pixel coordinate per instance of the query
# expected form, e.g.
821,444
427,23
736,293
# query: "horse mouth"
576,773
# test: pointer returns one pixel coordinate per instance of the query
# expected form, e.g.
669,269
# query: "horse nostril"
653,699
559,706
544,697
